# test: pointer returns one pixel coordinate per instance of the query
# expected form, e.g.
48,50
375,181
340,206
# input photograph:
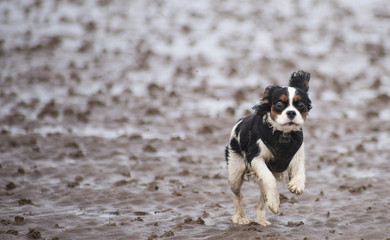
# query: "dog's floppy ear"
266,102
300,80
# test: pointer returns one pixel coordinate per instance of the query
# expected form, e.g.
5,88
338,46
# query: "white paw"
273,201
263,222
296,186
240,220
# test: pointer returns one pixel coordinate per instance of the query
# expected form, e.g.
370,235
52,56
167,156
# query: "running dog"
269,142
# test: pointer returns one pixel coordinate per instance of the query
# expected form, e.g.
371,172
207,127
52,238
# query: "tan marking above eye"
284,98
297,98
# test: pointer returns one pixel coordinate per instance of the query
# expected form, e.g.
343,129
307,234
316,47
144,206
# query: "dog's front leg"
268,185
260,209
296,171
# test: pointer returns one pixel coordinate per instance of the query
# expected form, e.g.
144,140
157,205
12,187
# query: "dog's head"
286,108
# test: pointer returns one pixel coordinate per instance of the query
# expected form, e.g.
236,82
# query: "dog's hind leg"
237,170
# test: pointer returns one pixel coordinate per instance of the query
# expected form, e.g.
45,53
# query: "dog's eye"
279,105
301,106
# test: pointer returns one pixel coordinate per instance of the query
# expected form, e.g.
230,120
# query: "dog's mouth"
290,124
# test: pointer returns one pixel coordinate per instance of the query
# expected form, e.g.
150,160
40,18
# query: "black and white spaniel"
269,142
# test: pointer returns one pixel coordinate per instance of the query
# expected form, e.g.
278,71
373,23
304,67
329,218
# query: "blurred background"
209,57
113,90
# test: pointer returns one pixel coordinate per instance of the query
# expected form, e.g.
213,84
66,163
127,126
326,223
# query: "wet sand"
115,116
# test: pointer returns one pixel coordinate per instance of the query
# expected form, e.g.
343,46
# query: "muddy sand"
115,114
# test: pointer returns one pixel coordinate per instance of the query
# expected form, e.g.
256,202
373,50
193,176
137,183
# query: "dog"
267,143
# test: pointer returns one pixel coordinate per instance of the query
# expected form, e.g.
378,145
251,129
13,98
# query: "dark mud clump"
5,222
32,233
25,201
12,232
10,186
167,234
149,148
294,224
200,221
50,110
19,220
153,236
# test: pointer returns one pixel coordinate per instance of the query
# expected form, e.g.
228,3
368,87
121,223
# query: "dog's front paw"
297,186
240,220
273,202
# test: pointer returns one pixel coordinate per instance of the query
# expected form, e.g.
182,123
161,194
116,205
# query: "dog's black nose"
291,114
